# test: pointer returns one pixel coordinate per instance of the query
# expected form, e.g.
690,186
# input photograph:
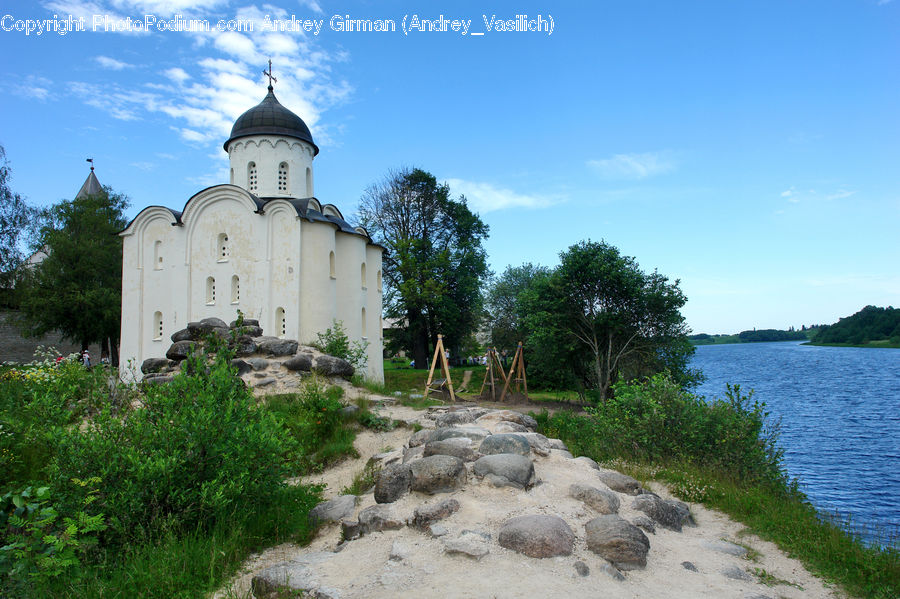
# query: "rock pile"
261,361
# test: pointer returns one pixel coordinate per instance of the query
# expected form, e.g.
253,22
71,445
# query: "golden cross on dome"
269,74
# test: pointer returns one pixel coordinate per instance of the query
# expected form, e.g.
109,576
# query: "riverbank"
881,343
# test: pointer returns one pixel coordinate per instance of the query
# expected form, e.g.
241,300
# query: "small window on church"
210,291
309,189
378,281
362,273
157,256
251,177
363,314
235,290
283,177
157,326
281,322
331,265
232,177
222,247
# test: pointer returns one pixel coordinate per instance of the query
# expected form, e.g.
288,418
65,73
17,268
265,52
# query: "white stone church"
262,244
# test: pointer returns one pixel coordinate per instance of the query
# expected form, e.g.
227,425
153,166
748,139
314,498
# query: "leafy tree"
504,298
435,264
16,226
77,289
869,324
601,319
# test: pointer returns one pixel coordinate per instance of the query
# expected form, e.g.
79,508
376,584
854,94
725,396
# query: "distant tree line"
869,324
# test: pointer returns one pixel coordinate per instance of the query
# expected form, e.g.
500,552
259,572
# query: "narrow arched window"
232,177
157,326
283,177
309,189
251,177
222,247
331,270
363,314
378,281
362,274
281,322
235,290
210,291
157,255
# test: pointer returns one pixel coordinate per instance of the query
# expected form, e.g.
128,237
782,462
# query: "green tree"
504,304
603,319
77,289
434,266
17,220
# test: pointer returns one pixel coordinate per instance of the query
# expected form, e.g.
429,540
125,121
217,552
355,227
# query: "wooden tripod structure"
517,367
439,384
492,359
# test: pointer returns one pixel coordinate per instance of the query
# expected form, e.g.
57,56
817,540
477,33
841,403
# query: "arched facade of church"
261,245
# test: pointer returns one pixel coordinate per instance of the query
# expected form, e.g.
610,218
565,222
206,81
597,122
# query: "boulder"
332,366
206,326
392,483
725,547
557,444
614,539
588,462
437,474
258,363
378,517
244,346
248,322
427,514
241,366
619,482
469,544
509,416
538,442
451,418
661,511
506,470
180,350
413,453
154,365
509,427
439,434
539,535
301,362
249,330
563,453
645,524
605,502
736,573
264,382
289,578
182,335
157,379
273,346
505,443
350,529
460,447
333,510
687,518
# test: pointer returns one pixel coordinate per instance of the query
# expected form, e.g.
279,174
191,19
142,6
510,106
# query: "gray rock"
437,530
333,510
563,453
616,540
248,322
451,418
736,573
610,570
506,469
725,547
506,426
425,515
752,595
273,346
421,437
350,529
689,566
244,346
509,416
687,518
157,379
582,568
604,502
293,576
539,535
619,482
588,461
264,382
399,552
505,443
379,517
258,363
241,366
469,544
260,375
154,365
662,512
437,474
392,483
385,459
460,447
206,326
180,350
301,362
645,524
413,453
557,444
439,434
248,331
332,366
182,335
540,445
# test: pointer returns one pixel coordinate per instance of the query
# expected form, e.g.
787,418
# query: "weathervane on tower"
269,75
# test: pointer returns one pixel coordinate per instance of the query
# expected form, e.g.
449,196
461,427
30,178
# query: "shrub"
195,452
334,342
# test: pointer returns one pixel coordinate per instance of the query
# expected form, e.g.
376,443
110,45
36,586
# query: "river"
840,422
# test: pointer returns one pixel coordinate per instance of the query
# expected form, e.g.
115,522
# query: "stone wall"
16,348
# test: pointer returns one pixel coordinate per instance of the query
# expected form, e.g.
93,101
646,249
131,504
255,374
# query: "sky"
748,149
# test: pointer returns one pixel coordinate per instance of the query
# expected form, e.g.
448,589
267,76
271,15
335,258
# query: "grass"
363,480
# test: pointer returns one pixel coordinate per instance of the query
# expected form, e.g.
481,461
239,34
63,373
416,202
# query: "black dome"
269,117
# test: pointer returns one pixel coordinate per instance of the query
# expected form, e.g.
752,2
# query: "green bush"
197,449
334,342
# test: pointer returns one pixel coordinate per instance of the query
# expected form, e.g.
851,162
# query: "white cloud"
237,45
144,166
486,197
177,75
634,166
35,87
840,194
314,6
111,63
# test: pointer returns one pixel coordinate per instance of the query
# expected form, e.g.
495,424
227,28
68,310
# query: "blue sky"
750,149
